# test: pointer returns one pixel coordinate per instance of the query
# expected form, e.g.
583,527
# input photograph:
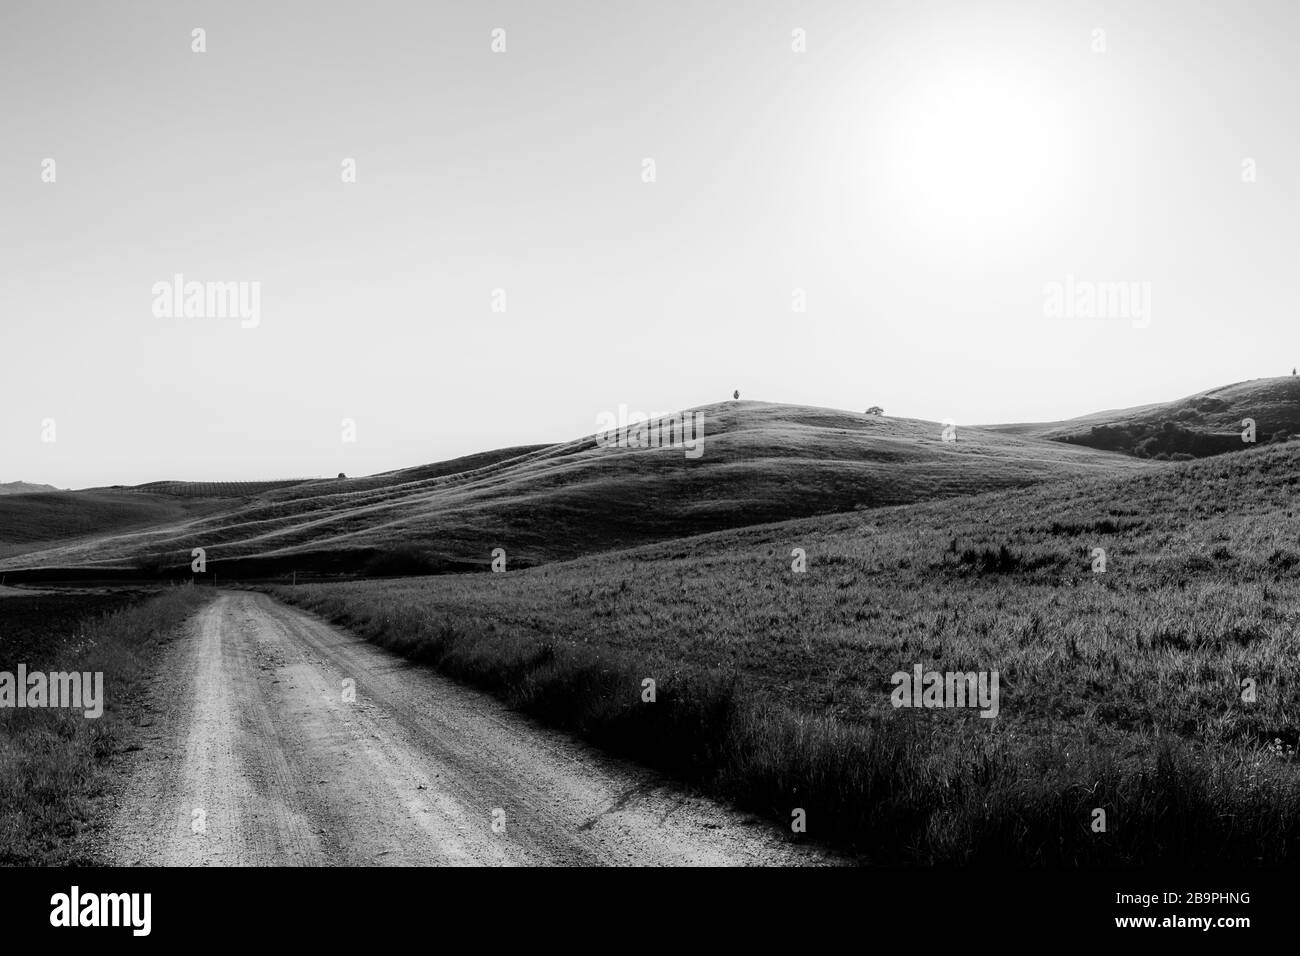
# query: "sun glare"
970,153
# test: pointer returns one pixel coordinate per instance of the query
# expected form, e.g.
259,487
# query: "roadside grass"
1120,691
55,762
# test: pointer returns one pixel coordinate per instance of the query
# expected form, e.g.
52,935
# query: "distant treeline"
1167,441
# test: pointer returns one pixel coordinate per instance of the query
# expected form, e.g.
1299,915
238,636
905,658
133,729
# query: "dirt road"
257,758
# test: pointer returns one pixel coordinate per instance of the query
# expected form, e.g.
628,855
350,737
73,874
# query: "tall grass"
55,762
903,788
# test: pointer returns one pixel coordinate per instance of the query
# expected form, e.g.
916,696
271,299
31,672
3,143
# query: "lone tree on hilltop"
875,410
736,394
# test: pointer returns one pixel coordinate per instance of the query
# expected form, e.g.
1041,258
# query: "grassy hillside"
32,522
23,488
761,462
1119,690
216,489
1208,423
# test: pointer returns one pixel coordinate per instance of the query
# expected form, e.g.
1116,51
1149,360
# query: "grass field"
55,762
1120,690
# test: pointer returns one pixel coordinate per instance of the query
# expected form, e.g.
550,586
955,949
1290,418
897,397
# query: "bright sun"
970,153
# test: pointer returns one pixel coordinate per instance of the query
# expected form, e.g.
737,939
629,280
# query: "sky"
852,204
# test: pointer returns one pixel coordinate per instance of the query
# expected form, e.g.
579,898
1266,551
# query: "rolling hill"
35,522
23,488
36,517
1207,423
217,489
761,462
